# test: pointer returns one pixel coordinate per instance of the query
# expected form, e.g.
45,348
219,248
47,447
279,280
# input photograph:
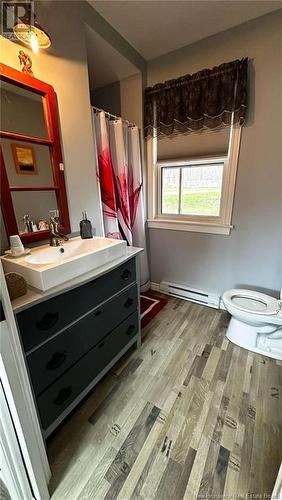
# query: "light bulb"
34,43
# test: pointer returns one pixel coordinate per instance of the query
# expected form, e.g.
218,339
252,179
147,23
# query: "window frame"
198,223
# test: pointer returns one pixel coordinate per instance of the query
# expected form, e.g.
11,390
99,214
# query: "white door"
14,482
21,422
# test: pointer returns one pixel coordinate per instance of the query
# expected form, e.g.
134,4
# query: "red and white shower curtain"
120,179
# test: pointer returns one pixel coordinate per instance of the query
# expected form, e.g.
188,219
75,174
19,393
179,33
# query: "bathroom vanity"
74,333
81,311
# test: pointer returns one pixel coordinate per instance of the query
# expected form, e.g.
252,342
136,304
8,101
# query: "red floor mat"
151,305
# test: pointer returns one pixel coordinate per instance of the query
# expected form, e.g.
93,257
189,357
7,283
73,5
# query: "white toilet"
256,322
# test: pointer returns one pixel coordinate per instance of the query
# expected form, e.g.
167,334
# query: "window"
193,194
194,189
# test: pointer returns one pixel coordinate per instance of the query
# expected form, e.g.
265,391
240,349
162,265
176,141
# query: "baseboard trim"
146,286
221,305
155,286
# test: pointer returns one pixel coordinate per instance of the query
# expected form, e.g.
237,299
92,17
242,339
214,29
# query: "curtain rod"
130,124
203,74
176,83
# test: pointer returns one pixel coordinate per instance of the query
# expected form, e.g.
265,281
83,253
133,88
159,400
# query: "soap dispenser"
85,227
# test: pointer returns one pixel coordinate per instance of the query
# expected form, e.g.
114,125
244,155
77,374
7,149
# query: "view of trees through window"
192,190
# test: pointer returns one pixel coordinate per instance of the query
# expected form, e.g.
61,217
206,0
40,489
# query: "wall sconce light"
32,35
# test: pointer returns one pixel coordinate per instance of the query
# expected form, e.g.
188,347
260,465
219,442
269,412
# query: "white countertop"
34,296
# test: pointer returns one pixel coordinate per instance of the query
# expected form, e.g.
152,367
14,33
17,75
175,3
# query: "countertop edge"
34,296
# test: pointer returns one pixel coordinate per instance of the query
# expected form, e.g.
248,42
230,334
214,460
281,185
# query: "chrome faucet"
56,238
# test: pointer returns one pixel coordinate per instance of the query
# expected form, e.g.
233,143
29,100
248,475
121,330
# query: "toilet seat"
250,301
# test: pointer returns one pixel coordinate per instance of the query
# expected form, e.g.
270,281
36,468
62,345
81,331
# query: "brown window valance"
206,99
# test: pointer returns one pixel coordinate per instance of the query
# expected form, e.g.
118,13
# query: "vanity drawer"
40,322
60,395
53,358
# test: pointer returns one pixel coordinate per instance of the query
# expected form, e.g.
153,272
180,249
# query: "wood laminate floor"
189,415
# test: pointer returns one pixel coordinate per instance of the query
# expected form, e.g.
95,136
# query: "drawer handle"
48,321
101,344
63,395
97,313
128,303
56,360
130,330
126,275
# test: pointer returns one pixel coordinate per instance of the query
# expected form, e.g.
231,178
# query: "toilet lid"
250,301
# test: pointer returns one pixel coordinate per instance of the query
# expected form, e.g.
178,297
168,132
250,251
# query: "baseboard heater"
192,294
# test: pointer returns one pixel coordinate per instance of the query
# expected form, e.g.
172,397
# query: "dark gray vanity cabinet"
71,340
42,321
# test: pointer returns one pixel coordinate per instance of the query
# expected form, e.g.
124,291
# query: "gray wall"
107,98
65,67
131,99
251,255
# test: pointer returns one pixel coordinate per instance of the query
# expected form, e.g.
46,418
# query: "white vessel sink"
47,266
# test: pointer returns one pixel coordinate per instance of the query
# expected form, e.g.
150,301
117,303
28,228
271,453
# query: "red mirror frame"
30,83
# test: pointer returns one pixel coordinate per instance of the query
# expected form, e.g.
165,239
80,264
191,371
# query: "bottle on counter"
85,227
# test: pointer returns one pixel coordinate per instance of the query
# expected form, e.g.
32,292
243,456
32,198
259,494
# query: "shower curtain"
120,180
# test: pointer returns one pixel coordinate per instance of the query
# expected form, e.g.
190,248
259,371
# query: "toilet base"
246,336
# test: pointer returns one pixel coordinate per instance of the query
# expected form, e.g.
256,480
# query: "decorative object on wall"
209,99
25,62
24,159
120,178
32,34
